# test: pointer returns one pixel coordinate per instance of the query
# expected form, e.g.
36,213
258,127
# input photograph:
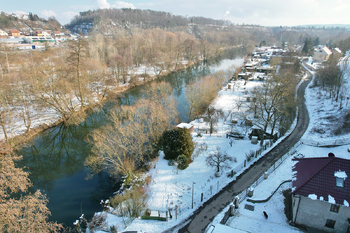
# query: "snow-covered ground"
172,189
320,110
45,115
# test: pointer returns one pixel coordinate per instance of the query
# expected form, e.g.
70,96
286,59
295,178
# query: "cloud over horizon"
48,13
103,4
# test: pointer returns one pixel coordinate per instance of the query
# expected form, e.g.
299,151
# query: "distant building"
337,51
185,126
37,39
3,34
322,53
37,33
14,32
298,48
25,16
321,193
45,33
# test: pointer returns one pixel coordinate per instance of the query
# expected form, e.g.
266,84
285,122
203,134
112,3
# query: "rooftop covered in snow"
323,178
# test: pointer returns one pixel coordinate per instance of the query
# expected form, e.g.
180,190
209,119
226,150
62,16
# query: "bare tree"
6,110
78,54
214,115
199,94
274,100
131,139
219,159
21,212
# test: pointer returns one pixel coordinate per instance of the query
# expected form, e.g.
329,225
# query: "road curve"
204,215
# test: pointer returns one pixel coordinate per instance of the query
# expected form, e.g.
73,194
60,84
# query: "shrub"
130,203
182,162
171,162
113,229
153,218
176,142
98,220
249,155
288,206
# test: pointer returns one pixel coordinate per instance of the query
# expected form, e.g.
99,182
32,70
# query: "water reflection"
55,158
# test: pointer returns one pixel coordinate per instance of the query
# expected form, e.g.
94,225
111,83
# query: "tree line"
146,19
83,72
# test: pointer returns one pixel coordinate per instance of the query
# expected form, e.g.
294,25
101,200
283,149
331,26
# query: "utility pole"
192,192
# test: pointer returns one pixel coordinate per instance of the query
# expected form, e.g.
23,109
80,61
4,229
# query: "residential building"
36,39
37,33
14,32
322,53
45,33
56,33
321,193
3,34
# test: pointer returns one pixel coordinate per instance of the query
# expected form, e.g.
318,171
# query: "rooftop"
318,177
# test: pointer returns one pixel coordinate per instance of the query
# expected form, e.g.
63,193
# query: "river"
55,158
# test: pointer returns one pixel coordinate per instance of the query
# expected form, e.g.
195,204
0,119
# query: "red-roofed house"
14,32
321,193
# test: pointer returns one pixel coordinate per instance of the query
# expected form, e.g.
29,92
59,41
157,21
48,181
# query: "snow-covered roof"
316,178
2,33
184,125
323,49
337,50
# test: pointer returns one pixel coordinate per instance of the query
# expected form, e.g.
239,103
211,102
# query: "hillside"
33,23
146,19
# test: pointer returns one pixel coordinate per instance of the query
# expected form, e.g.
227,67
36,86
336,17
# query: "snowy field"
47,116
254,221
325,117
320,109
172,189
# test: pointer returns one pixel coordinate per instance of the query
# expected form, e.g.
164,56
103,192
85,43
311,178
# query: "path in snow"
206,213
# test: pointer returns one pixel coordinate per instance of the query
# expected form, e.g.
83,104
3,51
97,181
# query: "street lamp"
192,192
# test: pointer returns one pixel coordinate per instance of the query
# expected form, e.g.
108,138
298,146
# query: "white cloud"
48,13
103,4
120,4
66,17
20,12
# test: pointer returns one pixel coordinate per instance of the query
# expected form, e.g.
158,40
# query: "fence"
337,142
244,193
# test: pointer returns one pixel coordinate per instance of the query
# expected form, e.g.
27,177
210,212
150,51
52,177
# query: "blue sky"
262,12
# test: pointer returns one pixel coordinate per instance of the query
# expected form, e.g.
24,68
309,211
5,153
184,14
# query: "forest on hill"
33,23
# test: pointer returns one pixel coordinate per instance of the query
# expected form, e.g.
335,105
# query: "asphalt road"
204,215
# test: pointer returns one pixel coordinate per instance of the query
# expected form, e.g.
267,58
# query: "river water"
55,158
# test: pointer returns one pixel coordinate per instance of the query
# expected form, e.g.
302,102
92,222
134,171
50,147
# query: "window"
339,182
335,208
330,223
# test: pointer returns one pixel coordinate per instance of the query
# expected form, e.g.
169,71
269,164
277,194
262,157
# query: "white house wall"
314,213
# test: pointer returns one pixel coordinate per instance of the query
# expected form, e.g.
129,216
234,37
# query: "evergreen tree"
308,45
316,41
177,142
182,162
